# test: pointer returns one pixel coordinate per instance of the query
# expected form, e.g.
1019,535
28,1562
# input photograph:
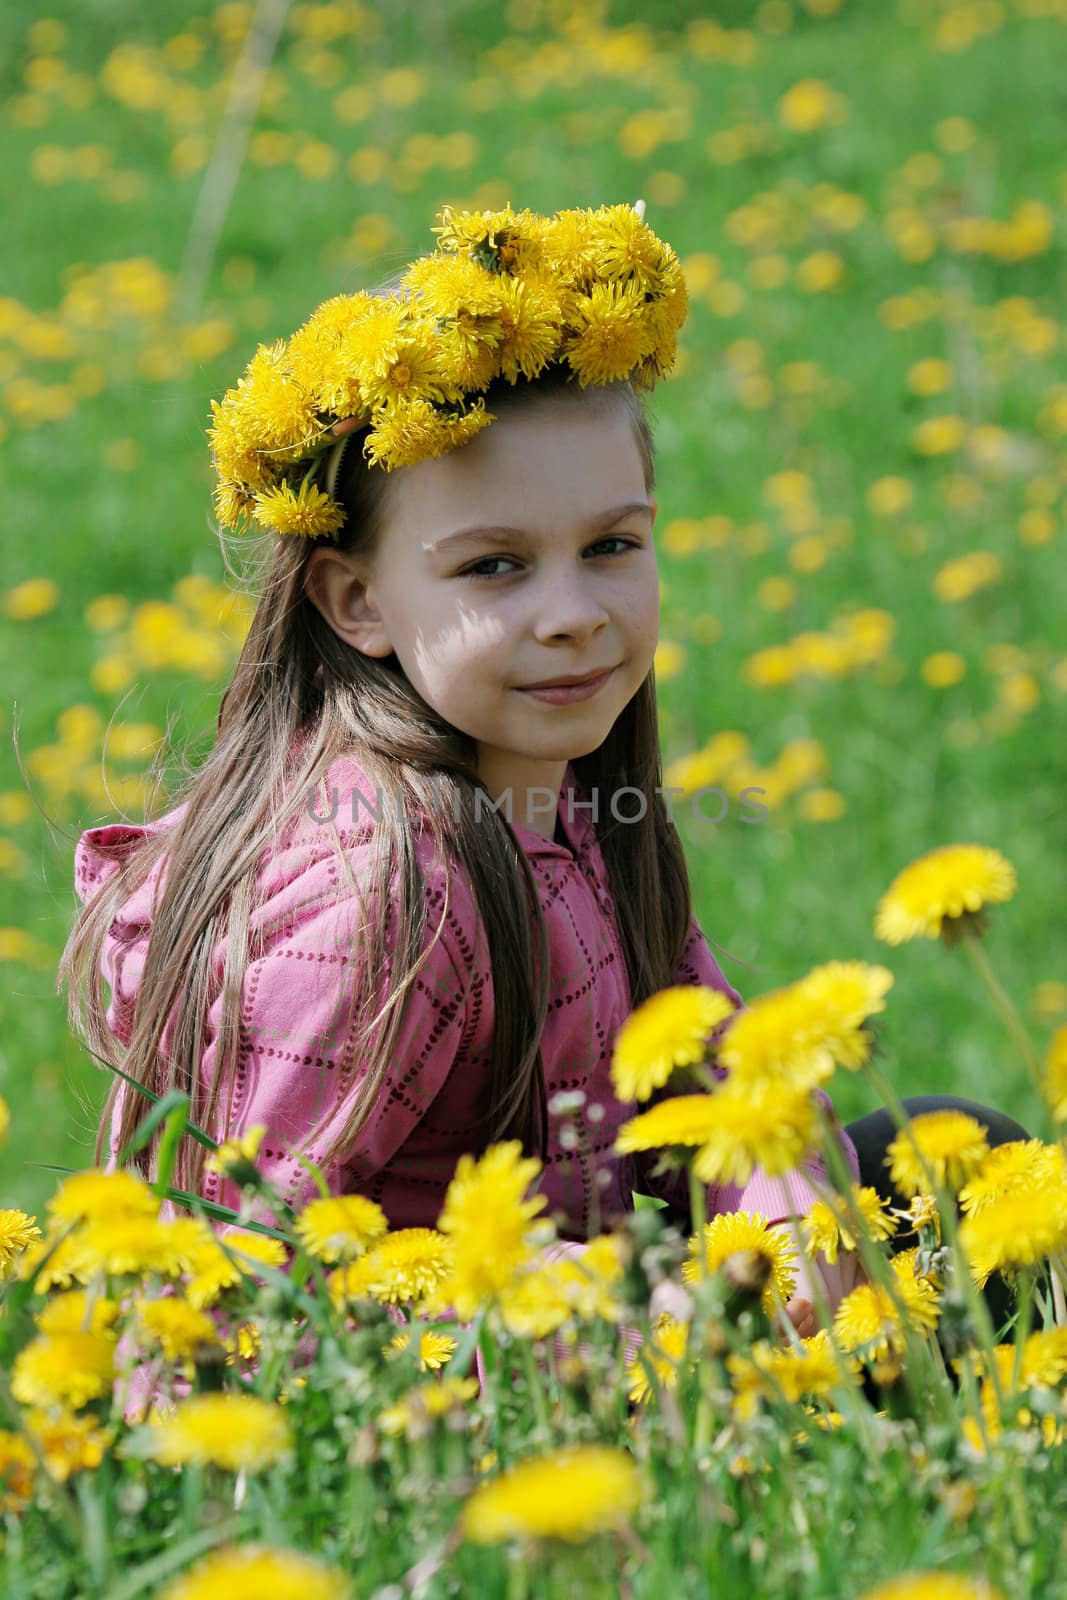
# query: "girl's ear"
341,594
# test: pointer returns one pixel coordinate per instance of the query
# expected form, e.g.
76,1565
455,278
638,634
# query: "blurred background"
861,456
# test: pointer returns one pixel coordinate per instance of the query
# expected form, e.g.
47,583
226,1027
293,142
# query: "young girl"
427,870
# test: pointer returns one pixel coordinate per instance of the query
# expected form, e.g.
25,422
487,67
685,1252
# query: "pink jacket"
296,1060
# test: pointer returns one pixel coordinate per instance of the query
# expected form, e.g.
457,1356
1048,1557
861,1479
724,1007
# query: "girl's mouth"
565,694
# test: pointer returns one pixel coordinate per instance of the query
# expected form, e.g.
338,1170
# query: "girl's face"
474,618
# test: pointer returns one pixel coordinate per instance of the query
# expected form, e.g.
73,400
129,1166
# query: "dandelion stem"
535,1386
1009,1013
518,1575
1022,1326
698,1207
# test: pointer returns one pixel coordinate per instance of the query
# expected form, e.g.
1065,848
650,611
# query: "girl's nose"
570,608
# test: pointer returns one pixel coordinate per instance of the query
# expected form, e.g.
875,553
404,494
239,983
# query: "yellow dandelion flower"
214,1271
236,1431
407,1265
468,337
125,1245
923,1213
529,317
934,1586
57,1260
68,1443
799,1032
233,504
17,1231
331,322
485,1200
569,246
412,431
943,893
959,579
306,513
341,1227
322,354
768,1373
779,1037
435,1349
808,105
233,446
768,1127
1020,1166
668,1030
952,1144
612,336
246,1343
625,248
1017,1230
845,994
939,436
233,1156
415,372
866,1322
427,1401
247,1572
533,1304
589,1283
456,291
470,360
570,1494
17,1467
34,598
190,1241
64,1369
76,1312
826,1231
250,1571
888,496
684,1119
734,1231
503,241
664,1353
1055,1070
98,1194
182,1331
278,412
540,1300
1044,1360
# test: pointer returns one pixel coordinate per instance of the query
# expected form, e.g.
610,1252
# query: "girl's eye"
489,561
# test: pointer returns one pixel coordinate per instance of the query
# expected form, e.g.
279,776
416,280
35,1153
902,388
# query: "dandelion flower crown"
504,294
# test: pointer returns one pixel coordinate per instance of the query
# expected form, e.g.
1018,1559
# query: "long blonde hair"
300,698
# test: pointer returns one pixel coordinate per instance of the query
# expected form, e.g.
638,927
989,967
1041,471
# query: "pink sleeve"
776,1198
98,855
300,1064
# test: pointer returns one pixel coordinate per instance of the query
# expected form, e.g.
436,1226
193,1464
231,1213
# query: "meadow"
861,470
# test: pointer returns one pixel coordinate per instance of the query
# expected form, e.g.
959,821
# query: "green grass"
779,897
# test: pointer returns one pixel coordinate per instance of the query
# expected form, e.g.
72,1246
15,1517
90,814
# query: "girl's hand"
802,1315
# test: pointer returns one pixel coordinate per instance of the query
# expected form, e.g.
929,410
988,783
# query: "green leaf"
163,1108
174,1558
175,1125
149,1094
